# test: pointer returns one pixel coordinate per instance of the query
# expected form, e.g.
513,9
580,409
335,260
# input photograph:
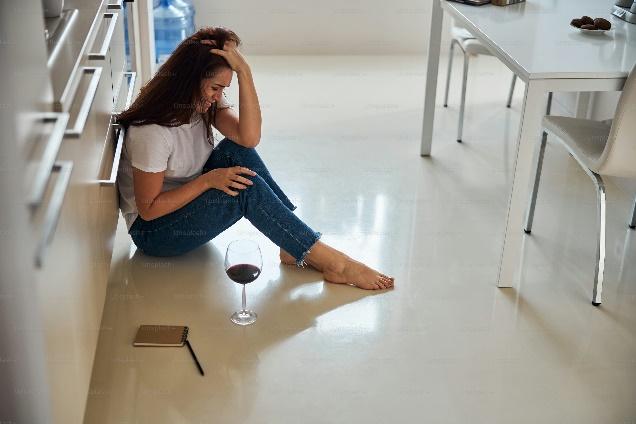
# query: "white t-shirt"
180,151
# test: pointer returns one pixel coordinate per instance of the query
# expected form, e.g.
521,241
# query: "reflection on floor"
341,135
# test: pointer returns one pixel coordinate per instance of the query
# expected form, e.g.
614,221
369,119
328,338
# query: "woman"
178,191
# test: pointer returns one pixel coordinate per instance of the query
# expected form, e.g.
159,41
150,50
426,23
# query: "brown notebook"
161,335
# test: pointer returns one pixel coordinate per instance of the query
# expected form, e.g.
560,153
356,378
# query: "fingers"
243,170
236,181
227,47
243,180
219,52
238,185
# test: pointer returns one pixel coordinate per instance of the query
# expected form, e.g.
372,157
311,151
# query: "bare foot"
358,274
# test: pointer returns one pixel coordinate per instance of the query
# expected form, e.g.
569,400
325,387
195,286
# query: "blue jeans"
264,204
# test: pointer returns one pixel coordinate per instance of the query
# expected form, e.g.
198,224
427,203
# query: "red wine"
243,273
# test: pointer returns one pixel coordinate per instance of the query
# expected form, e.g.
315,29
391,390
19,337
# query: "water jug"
171,27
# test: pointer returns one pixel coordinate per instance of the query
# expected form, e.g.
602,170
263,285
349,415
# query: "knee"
259,188
230,145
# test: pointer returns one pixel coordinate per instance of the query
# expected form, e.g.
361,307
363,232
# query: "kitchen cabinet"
31,135
59,152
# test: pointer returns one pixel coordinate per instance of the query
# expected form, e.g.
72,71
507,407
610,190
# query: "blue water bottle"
185,6
171,27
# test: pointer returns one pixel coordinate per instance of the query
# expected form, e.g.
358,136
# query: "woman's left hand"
231,53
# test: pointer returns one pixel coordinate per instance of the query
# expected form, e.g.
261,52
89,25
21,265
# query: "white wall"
322,27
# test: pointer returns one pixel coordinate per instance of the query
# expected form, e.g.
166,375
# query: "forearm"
172,200
249,109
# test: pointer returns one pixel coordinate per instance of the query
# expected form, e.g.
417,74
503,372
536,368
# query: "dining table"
535,40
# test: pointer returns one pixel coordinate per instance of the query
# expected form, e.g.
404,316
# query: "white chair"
469,45
601,148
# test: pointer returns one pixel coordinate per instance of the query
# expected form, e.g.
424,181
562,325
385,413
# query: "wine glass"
243,263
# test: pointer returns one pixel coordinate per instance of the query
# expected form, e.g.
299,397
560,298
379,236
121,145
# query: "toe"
382,283
388,284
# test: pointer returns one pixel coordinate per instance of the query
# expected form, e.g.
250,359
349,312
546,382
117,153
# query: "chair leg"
537,174
535,188
463,100
448,72
512,90
600,248
632,224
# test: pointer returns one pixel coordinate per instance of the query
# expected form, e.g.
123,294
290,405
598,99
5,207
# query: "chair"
469,45
601,148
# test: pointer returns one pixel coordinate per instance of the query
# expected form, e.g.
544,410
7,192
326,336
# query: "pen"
196,361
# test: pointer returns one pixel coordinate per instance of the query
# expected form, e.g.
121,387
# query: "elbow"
144,215
145,212
250,142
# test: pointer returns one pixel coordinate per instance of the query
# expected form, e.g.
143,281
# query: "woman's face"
212,88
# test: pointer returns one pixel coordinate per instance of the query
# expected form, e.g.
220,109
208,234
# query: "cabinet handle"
101,55
116,157
118,5
89,97
120,133
55,207
131,87
67,20
48,157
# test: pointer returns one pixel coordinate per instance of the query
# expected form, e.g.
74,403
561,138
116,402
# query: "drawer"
68,37
109,165
108,46
70,291
107,208
117,57
89,112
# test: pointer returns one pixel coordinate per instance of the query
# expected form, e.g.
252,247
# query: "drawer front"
89,118
117,58
68,39
108,46
72,279
107,209
71,290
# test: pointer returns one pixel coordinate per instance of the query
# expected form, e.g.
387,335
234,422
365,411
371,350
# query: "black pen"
196,361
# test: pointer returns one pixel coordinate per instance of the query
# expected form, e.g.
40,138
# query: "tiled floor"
341,135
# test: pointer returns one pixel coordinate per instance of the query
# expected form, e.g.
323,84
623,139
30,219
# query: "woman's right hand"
226,179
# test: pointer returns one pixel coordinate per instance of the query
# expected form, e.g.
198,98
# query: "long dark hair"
170,97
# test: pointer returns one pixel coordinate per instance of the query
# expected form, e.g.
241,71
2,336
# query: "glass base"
243,317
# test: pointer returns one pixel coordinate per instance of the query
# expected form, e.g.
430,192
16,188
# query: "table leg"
434,41
532,113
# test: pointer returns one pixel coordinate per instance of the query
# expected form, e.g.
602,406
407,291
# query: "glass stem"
244,306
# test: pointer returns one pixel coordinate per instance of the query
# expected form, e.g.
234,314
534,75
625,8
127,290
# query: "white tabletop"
536,40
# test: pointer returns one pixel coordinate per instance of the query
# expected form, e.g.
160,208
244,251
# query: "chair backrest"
619,156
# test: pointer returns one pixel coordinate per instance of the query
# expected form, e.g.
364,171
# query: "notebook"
472,2
161,335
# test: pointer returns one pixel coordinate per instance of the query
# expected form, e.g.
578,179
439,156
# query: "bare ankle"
326,258
337,263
